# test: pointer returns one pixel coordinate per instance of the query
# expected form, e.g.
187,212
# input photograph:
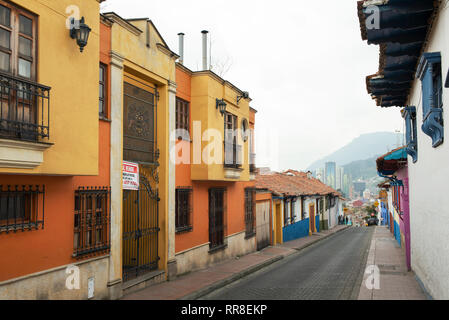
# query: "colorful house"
299,203
393,165
413,75
54,152
214,156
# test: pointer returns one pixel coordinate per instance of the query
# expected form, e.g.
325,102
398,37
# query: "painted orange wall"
28,252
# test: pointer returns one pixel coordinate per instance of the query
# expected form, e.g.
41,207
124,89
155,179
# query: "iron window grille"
103,91
184,209
92,221
182,114
286,213
250,212
293,211
217,219
21,207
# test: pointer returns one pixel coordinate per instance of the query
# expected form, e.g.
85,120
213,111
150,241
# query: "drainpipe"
181,47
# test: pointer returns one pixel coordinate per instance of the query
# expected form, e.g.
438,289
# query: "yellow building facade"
142,79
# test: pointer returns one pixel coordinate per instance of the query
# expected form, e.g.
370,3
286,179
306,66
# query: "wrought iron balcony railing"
233,155
24,109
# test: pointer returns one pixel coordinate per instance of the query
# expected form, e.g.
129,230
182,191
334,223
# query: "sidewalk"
396,283
199,283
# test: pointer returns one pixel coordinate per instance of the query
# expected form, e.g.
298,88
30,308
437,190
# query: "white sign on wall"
130,176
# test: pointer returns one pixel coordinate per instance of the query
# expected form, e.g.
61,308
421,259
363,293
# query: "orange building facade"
55,220
215,217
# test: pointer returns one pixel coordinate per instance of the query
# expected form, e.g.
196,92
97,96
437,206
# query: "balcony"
24,122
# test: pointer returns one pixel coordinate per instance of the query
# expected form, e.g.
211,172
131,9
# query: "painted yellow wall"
74,79
206,88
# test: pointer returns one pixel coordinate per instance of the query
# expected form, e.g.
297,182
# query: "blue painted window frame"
430,74
411,136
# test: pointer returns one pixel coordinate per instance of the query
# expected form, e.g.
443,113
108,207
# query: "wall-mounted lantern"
245,95
79,31
221,105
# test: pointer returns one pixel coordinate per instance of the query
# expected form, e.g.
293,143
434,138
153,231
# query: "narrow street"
331,269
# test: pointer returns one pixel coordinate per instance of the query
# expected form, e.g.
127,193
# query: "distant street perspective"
330,269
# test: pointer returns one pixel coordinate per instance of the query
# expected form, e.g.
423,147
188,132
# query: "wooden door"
263,224
312,217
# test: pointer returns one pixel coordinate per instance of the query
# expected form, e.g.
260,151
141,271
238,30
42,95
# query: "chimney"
205,32
181,47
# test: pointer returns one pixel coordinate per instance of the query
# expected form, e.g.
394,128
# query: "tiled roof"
293,183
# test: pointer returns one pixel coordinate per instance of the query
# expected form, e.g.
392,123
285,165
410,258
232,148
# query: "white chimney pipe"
181,47
205,32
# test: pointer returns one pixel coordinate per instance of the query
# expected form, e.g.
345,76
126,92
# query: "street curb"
222,283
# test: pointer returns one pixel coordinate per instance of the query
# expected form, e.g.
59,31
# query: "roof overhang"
391,162
401,28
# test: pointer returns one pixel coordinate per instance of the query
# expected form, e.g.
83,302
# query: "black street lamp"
221,105
79,31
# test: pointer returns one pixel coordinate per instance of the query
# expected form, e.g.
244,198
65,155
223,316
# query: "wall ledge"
22,154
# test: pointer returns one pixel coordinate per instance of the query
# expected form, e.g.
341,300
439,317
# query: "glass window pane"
24,68
101,92
25,46
5,38
4,61
101,74
5,16
26,25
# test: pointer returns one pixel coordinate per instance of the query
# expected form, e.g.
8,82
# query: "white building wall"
429,203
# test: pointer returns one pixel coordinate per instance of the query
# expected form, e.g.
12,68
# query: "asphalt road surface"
331,269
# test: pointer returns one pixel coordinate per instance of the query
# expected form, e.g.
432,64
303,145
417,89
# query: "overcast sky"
303,63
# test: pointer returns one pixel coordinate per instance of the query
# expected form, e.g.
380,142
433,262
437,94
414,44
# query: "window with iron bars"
92,221
293,212
250,212
21,208
217,218
184,206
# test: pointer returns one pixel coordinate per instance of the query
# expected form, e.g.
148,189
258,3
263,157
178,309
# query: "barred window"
21,208
92,221
250,215
293,212
103,91
184,209
217,218
182,114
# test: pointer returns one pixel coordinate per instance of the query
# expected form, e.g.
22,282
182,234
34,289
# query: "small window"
103,91
21,208
91,222
184,210
182,115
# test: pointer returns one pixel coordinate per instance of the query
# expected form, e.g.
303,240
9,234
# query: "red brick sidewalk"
196,284
395,282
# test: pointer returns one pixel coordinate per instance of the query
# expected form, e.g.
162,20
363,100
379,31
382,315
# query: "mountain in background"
365,148
362,169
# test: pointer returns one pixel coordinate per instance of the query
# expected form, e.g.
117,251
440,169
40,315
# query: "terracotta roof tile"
293,183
